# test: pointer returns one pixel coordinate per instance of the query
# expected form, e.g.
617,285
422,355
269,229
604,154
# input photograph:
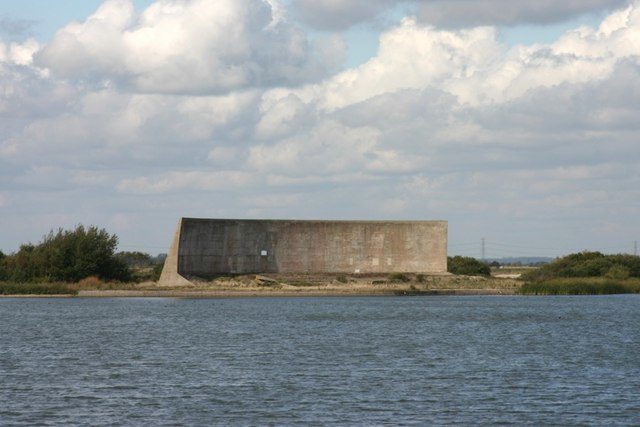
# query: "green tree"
68,255
3,268
588,264
135,259
467,266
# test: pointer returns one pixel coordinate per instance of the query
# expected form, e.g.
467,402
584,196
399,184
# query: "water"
355,361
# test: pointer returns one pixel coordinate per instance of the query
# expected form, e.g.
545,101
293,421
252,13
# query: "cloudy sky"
516,121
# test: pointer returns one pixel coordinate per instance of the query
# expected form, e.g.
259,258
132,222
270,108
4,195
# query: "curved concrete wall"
208,247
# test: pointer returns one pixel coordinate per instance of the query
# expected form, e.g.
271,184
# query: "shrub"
135,259
157,272
596,267
142,266
3,269
467,266
342,279
399,277
421,278
619,272
631,262
68,256
588,264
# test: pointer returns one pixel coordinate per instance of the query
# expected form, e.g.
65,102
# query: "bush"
342,279
619,272
67,256
399,277
588,264
467,266
135,259
3,269
157,272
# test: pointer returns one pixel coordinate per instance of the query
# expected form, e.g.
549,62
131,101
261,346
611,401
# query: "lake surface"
355,361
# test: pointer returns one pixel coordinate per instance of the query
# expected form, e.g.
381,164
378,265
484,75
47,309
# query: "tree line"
589,264
72,255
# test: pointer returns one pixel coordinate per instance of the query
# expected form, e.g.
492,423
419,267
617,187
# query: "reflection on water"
466,360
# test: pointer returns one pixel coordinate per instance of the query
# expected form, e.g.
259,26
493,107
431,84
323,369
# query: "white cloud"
194,46
272,201
476,67
185,180
449,124
281,117
222,155
19,53
330,148
414,57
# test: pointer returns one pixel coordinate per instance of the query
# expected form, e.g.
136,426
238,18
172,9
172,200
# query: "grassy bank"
8,288
581,286
62,288
392,284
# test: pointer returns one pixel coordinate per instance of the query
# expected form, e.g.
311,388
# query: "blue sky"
49,16
501,116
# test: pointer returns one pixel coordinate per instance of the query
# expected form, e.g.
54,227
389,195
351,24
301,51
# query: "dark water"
355,361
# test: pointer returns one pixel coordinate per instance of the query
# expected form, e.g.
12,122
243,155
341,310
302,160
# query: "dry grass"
582,286
291,285
358,284
91,282
9,288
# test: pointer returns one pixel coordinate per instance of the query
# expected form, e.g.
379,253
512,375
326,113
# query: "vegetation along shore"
83,262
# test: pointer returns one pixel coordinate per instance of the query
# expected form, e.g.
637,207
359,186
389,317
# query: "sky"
516,121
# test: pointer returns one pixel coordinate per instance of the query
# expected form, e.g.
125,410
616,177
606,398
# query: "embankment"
308,286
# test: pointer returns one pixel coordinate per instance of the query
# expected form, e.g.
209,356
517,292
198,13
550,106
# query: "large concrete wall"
208,247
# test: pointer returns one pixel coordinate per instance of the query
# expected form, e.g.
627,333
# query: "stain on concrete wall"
210,247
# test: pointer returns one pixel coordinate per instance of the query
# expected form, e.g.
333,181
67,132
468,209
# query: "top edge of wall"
332,221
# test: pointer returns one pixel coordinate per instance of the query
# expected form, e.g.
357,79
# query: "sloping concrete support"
170,275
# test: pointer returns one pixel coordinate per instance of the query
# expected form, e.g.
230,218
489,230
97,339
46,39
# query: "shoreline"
206,294
287,293
39,296
276,286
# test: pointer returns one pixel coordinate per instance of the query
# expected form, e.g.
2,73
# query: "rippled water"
356,361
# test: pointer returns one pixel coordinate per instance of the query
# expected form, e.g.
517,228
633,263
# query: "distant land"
522,260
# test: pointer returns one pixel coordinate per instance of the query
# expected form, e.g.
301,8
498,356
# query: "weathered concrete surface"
205,248
169,275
